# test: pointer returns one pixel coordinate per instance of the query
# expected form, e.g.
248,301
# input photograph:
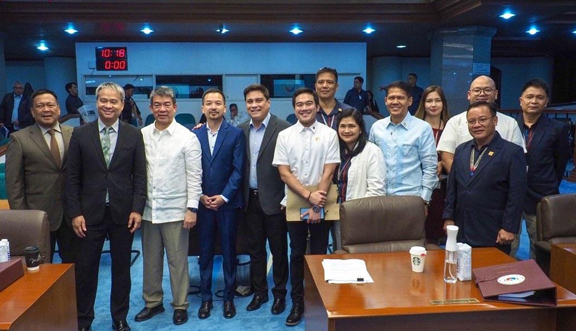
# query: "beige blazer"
33,181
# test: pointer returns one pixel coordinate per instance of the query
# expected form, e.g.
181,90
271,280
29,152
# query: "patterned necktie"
106,145
54,148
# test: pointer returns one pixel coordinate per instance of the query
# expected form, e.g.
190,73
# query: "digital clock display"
111,59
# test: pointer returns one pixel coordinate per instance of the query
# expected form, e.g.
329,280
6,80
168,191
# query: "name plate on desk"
454,301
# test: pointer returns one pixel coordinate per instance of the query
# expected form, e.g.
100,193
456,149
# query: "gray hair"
111,86
163,91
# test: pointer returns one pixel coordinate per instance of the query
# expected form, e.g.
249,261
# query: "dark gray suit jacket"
270,185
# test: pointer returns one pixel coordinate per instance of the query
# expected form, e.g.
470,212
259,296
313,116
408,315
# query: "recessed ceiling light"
533,31
296,31
222,29
71,30
507,15
42,47
401,46
574,32
147,30
368,30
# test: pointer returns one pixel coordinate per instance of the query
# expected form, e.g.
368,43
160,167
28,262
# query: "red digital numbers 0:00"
115,65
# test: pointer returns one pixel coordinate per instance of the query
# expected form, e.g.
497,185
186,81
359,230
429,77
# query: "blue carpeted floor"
261,319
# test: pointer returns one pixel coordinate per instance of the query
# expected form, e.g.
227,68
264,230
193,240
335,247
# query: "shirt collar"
44,129
170,129
405,122
101,125
302,128
215,131
338,107
264,123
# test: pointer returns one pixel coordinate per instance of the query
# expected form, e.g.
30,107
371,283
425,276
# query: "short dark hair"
413,75
305,90
128,86
213,90
328,70
69,86
257,87
233,105
538,83
359,78
490,105
400,85
359,119
40,92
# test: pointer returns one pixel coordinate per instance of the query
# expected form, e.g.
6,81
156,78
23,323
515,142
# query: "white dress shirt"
306,150
456,132
174,172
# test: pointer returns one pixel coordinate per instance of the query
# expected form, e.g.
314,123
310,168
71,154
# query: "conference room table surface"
40,301
400,299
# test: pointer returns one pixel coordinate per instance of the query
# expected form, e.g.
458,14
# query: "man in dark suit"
14,110
487,184
223,149
35,171
105,196
548,152
264,216
131,109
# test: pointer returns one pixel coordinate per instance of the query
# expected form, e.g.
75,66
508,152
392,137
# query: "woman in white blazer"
362,168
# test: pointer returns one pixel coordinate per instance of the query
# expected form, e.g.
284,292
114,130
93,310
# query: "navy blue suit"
548,152
492,198
221,175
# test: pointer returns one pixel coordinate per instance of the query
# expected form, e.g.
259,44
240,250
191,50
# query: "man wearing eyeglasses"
456,132
487,185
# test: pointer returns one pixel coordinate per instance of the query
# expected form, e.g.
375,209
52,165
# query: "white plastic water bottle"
4,250
450,272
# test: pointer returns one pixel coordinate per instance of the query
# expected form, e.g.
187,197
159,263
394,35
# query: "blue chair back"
291,119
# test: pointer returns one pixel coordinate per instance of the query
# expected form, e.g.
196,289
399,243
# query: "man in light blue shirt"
408,146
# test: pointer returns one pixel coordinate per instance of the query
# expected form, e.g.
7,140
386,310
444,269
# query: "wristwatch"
316,209
194,210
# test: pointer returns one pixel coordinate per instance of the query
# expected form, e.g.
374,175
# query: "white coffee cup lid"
417,250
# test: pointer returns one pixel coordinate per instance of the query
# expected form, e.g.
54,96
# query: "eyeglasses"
481,120
487,91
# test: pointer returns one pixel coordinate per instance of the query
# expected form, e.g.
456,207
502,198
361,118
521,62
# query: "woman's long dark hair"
361,143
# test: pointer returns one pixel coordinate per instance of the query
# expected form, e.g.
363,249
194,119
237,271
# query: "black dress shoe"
229,309
278,306
204,311
147,313
120,325
180,316
256,302
296,314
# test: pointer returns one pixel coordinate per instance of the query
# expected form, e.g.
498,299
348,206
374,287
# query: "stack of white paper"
352,271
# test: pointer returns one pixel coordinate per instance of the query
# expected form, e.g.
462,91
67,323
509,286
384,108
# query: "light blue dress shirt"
255,141
410,155
17,100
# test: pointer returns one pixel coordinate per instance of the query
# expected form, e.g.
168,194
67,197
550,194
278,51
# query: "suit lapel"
66,135
38,139
95,133
220,139
492,151
203,138
246,130
268,134
538,133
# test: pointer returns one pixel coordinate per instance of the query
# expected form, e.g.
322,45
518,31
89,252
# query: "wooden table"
563,265
41,301
400,299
